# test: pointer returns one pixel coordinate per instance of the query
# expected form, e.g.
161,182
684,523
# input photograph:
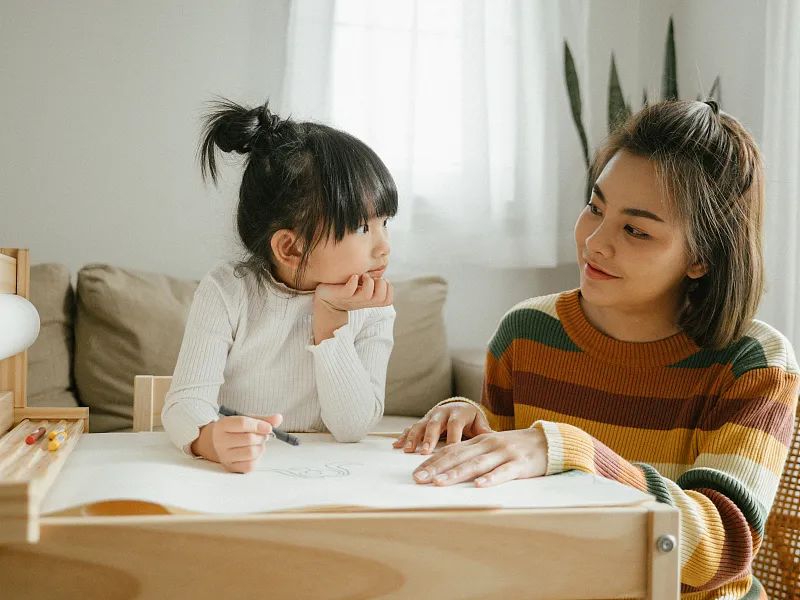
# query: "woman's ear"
696,270
286,248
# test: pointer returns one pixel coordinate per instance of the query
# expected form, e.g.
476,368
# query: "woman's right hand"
235,442
458,419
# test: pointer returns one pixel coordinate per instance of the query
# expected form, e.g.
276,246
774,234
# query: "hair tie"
713,105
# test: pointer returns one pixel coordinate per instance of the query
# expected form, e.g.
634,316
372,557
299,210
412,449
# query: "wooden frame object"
26,472
148,400
134,549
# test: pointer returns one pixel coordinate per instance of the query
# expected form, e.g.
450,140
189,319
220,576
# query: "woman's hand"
489,459
235,442
332,301
458,419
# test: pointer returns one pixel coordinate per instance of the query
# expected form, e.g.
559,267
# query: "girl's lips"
377,273
593,273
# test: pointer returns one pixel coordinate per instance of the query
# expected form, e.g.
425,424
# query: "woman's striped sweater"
704,430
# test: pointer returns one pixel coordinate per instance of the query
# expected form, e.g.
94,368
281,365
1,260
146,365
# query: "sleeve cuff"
182,422
343,335
568,447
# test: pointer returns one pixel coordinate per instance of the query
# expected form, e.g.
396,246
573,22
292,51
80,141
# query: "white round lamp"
19,324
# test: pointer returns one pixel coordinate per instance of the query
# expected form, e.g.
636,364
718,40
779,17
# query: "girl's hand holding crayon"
235,442
489,459
332,301
458,419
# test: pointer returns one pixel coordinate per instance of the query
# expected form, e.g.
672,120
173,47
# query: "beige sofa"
117,323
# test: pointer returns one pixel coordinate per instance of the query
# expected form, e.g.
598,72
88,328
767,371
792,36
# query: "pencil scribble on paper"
330,470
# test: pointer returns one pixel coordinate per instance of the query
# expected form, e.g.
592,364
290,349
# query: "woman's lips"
595,273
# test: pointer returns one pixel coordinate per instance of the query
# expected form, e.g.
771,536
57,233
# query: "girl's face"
631,252
363,251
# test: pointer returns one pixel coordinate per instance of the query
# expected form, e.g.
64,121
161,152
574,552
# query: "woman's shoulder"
544,305
762,346
535,318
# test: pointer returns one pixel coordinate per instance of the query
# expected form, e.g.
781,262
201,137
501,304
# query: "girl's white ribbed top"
250,346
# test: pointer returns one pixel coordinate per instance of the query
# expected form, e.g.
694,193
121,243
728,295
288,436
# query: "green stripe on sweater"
743,355
530,324
730,487
655,484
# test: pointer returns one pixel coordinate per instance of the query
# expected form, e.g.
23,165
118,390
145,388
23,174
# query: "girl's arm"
350,371
192,399
725,497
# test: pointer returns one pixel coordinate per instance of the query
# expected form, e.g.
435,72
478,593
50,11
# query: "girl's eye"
594,209
363,229
386,223
636,232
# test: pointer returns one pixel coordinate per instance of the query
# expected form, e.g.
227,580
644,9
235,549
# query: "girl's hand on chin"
352,296
489,459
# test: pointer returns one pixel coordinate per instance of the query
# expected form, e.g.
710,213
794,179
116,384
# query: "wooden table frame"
606,552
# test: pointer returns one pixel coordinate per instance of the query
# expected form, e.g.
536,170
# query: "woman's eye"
636,232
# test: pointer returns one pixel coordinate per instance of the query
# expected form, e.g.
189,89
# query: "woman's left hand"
489,459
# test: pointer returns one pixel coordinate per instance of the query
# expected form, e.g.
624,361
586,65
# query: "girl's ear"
286,248
696,270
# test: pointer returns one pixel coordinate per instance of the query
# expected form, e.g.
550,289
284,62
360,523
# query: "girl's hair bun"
237,131
242,130
232,127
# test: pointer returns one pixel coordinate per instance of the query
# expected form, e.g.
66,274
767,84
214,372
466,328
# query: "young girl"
654,372
303,327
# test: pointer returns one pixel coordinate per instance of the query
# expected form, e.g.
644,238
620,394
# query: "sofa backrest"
131,322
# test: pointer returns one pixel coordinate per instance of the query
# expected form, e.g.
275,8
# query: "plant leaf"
716,92
618,111
669,83
574,92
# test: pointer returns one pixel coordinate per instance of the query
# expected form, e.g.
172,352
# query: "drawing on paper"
330,470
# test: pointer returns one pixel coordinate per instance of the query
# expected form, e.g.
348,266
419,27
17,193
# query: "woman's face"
632,253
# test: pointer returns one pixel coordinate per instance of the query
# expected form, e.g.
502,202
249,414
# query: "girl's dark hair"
313,179
712,174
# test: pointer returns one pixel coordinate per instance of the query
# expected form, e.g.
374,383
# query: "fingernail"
425,447
441,477
481,480
423,475
409,444
263,427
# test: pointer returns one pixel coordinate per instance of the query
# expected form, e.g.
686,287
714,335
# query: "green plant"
619,110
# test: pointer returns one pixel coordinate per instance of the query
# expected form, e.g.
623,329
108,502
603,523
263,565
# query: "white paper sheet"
319,472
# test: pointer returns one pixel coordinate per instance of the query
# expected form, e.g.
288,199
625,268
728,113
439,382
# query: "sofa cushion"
131,323
419,373
128,323
50,381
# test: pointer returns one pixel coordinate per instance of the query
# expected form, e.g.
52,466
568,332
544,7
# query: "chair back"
149,392
777,564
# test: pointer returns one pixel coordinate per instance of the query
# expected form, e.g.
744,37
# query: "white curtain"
781,146
461,100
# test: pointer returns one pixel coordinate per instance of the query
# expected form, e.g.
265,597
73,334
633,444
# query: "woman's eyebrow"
633,212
